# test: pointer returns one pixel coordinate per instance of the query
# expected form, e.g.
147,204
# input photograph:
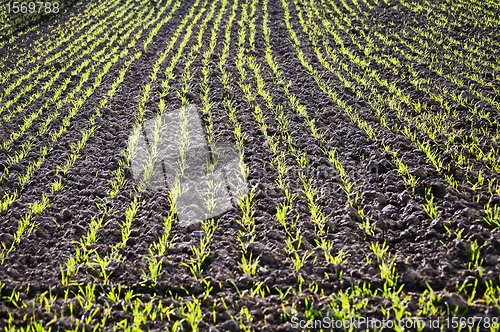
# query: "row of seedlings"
86,296
62,33
118,182
433,155
131,149
489,158
189,312
25,148
13,31
61,87
246,231
75,147
390,290
345,312
295,238
372,133
28,121
92,35
429,206
43,60
141,311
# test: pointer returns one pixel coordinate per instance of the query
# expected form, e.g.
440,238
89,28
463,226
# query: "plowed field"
250,165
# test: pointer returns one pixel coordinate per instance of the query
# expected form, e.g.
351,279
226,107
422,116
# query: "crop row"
343,56
63,168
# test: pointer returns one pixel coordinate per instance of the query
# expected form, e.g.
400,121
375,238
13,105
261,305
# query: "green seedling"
430,208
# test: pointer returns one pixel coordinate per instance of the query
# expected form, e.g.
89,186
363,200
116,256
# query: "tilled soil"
431,257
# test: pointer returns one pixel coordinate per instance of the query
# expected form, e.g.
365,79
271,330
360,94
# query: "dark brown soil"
427,256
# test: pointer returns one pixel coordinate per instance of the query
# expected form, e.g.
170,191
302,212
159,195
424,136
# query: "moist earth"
430,257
